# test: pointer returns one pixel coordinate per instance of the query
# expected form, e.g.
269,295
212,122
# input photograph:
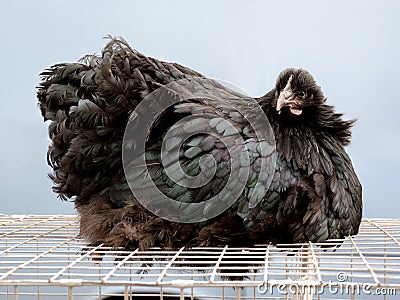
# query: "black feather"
314,193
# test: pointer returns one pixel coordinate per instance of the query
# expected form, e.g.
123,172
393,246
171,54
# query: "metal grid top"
46,250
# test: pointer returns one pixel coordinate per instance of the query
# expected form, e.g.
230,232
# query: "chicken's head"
296,90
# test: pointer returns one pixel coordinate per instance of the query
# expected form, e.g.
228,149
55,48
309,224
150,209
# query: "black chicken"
307,190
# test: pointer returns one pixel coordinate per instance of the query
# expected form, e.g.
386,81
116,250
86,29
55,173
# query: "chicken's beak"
286,96
284,100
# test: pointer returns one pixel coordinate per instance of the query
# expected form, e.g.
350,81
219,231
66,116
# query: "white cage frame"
41,257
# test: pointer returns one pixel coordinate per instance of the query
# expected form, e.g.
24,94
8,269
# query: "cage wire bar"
42,257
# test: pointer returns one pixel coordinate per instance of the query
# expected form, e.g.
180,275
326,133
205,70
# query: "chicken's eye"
302,94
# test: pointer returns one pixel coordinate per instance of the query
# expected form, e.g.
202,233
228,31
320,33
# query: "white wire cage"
41,257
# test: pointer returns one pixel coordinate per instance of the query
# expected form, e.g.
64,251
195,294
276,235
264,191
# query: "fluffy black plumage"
314,195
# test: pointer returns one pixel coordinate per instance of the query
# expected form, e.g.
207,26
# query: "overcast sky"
351,47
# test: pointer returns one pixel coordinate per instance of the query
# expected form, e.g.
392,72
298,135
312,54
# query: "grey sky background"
351,47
